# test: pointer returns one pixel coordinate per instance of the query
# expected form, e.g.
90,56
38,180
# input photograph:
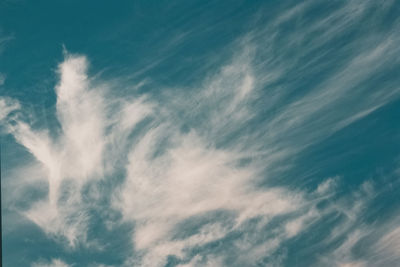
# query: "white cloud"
190,179
76,155
2,79
327,186
171,175
353,264
184,161
6,107
387,248
53,263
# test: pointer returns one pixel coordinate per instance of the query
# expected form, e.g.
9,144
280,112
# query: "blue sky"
200,133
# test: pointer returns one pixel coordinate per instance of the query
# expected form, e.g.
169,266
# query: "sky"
200,133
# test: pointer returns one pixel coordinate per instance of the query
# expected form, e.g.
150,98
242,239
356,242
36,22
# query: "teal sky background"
200,133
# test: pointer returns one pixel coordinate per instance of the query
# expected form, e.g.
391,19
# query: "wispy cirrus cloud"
53,263
190,169
171,176
2,79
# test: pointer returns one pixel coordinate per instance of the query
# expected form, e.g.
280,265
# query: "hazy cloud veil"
280,152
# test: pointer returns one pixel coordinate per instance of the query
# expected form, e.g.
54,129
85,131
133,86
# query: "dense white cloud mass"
193,170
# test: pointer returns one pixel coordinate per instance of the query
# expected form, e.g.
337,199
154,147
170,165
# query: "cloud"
75,155
171,176
6,107
191,179
386,250
4,39
353,264
53,263
327,186
191,167
2,79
